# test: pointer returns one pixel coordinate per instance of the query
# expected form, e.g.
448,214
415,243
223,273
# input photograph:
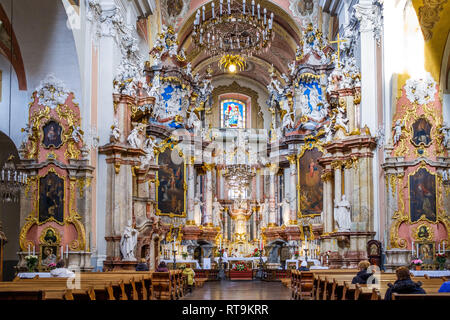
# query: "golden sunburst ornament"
232,63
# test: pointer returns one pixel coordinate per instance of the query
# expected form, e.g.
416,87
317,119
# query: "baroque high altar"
193,164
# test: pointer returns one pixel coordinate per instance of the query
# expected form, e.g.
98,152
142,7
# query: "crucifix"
339,41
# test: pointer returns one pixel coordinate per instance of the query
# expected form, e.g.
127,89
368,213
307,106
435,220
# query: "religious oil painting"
233,114
426,251
422,194
52,135
50,236
48,255
171,191
311,186
51,198
421,132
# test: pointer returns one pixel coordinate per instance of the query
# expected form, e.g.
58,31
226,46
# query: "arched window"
233,113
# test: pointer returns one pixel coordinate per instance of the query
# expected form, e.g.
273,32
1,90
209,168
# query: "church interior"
243,140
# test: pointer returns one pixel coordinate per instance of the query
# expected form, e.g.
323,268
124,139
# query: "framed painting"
422,195
49,254
421,132
233,113
52,131
311,185
51,198
426,251
171,183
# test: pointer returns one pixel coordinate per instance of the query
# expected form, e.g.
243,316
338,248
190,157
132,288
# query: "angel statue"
341,119
114,135
445,131
149,147
287,121
134,138
328,132
77,134
397,131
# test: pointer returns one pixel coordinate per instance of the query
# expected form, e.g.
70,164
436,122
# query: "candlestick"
253,8
220,6
412,248
29,249
67,251
243,7
212,10
34,250
61,254
229,7
417,246
444,245
259,13
439,250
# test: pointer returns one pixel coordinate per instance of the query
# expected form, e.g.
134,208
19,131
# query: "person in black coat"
304,266
362,276
403,284
142,266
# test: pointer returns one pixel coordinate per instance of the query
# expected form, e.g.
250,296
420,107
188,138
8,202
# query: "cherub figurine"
397,131
445,131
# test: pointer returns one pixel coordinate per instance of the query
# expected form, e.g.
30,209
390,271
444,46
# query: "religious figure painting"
48,255
426,252
171,193
51,198
422,193
50,236
311,186
52,135
421,132
233,113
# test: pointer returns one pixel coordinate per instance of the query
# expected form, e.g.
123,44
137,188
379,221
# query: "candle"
29,249
412,248
212,10
253,8
203,13
220,7
229,7
417,246
439,248
265,19
259,14
34,250
67,251
243,7
62,252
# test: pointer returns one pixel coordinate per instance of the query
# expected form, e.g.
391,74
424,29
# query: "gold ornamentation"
292,158
420,236
336,164
428,16
327,176
117,167
55,233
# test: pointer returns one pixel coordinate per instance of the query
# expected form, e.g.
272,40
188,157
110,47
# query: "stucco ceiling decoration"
173,11
307,11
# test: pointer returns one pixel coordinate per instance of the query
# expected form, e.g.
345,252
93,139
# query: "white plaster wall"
47,46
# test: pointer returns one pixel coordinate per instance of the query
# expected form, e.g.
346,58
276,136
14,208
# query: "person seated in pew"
162,267
362,276
142,265
403,284
189,273
61,272
445,287
303,266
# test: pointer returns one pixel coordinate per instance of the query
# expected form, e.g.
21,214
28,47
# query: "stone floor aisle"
240,290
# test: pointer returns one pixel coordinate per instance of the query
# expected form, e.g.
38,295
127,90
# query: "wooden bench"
428,296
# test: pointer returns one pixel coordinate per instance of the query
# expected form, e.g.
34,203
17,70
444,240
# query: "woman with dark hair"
142,265
162,267
403,284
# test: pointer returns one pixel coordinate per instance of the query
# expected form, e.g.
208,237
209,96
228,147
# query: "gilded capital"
336,164
291,158
208,166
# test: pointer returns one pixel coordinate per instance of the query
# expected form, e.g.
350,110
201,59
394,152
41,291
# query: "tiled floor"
240,290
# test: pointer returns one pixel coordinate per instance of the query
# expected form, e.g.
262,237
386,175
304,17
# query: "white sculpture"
149,147
421,91
198,211
397,131
217,210
77,134
114,135
264,209
341,118
134,139
128,243
286,210
287,121
342,215
328,132
445,175
445,131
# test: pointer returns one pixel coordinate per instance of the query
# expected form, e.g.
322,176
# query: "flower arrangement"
417,262
32,261
440,259
184,255
240,267
51,266
296,254
256,253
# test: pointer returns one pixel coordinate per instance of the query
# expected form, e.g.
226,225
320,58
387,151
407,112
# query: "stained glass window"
233,113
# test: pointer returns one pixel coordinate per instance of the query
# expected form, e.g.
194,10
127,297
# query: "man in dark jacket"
304,266
362,276
404,284
142,266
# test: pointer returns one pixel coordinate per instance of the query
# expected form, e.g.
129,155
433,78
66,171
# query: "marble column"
293,190
190,191
328,201
337,181
225,223
272,184
209,197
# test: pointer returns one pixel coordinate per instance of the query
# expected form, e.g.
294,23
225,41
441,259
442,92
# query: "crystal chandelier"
233,27
11,182
238,176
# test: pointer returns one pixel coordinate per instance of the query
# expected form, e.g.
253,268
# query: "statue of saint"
286,207
128,242
217,210
342,215
264,213
198,211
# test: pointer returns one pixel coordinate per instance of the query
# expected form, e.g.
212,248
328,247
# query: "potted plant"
296,254
184,255
256,253
51,266
31,261
417,263
440,259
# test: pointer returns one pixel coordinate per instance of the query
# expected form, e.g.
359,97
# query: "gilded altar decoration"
422,192
171,181
50,236
49,255
51,198
421,129
423,232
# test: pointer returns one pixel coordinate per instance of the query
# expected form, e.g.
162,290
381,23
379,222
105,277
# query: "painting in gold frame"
421,132
311,185
51,198
426,251
422,195
171,183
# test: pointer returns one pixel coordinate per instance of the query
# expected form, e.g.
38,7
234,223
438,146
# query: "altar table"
231,260
31,275
180,262
315,261
431,273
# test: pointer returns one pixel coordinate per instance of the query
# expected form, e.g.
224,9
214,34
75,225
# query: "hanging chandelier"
11,182
232,63
233,28
239,176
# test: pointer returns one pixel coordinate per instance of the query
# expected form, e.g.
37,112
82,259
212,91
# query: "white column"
293,189
191,192
272,200
337,182
208,204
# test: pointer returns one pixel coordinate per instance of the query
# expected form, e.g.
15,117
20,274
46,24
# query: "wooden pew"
162,286
428,296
